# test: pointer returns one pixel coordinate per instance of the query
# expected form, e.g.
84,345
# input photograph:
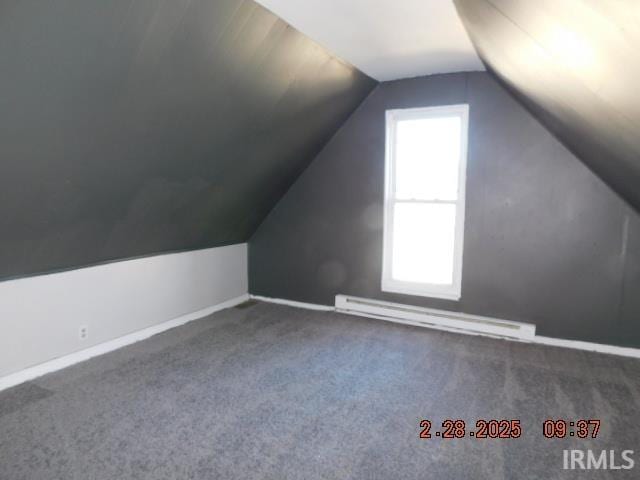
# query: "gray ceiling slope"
133,127
575,65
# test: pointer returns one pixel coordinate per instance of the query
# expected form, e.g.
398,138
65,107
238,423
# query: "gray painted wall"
131,127
546,241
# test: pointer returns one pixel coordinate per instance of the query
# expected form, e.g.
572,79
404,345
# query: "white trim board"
538,340
291,303
589,346
112,345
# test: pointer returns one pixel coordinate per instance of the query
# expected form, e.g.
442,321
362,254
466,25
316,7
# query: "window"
424,201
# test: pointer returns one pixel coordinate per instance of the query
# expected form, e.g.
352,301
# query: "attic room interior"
330,239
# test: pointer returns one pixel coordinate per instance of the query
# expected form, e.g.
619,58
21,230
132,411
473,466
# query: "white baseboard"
589,346
97,350
291,303
537,339
106,347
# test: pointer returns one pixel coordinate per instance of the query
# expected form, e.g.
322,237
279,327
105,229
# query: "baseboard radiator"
428,317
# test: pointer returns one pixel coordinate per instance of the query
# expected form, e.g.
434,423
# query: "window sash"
389,284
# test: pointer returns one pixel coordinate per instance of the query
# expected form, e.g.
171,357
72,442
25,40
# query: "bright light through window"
424,202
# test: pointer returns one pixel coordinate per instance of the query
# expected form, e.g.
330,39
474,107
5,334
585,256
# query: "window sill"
393,287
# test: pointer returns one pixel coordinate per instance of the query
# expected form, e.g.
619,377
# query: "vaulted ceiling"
575,64
387,39
131,127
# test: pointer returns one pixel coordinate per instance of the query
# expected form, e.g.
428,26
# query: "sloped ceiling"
133,127
576,65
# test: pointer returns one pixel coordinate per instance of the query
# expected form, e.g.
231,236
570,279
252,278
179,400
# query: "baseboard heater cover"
429,317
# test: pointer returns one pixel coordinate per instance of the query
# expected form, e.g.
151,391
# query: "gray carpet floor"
273,392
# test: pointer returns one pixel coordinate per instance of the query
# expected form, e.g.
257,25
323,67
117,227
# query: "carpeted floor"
272,392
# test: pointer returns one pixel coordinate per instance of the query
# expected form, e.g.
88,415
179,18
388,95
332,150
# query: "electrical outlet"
83,333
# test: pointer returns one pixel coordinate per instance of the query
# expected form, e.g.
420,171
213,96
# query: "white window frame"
449,292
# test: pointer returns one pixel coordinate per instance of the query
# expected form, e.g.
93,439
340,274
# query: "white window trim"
449,292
